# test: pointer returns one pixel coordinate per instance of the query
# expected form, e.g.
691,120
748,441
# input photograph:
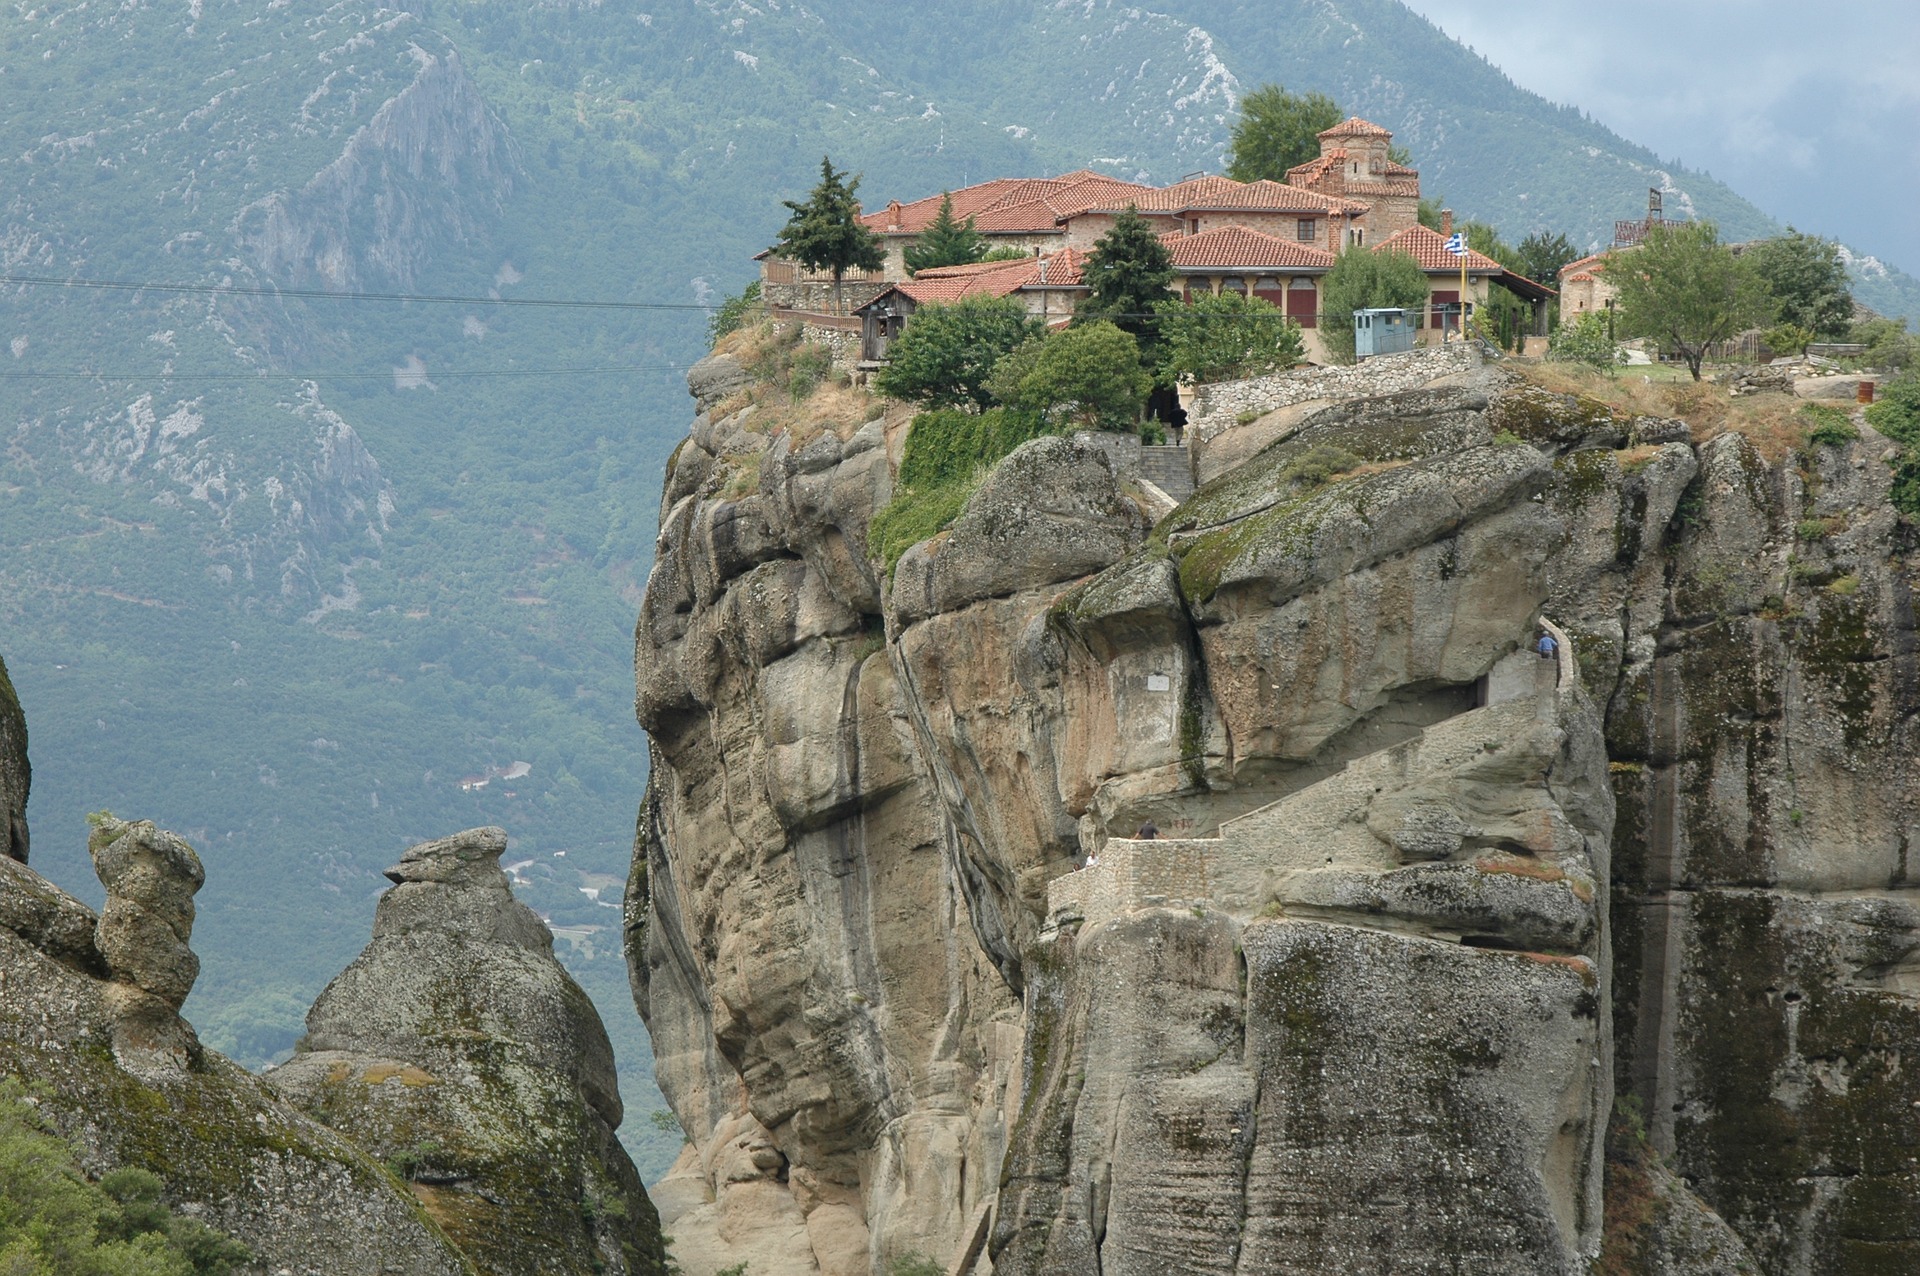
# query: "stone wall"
1132,874
815,295
1218,408
844,342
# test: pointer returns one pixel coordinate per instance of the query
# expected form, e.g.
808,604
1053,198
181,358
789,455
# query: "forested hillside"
281,571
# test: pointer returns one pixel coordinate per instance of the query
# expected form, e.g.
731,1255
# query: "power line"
422,375
318,294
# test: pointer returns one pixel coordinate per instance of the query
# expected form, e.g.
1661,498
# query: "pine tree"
825,232
1127,275
946,242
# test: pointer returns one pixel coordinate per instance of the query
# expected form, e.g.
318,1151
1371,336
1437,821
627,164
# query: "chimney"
893,215
1446,221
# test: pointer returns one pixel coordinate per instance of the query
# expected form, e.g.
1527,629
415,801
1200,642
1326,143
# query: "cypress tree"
825,232
946,242
1127,275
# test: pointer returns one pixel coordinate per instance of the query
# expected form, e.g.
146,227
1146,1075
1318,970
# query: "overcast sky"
1812,111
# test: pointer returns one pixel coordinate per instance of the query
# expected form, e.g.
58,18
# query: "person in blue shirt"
1546,646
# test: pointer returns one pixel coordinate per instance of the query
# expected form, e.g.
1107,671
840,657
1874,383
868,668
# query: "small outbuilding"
1381,332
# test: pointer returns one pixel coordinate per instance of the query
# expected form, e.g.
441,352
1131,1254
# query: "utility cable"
320,294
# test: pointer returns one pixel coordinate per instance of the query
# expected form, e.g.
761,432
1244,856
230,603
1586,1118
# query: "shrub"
1897,415
947,454
809,368
1831,428
1585,340
52,1221
1225,337
1320,464
732,314
915,1264
1789,338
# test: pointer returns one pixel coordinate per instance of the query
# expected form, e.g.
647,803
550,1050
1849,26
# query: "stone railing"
1217,408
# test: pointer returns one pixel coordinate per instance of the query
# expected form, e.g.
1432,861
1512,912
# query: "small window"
1303,230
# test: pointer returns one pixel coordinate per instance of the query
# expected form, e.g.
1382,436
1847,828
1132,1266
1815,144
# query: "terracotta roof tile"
1402,186
1597,262
1238,248
1429,247
1354,126
1006,204
994,278
1223,194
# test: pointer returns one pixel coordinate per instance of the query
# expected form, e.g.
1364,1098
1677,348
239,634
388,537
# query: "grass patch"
1773,422
948,454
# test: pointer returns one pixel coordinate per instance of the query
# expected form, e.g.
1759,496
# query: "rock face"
1422,906
458,1050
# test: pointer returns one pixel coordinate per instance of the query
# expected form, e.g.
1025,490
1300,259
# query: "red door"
1447,303
1303,303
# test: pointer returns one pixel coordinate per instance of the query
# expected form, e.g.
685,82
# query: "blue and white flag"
1457,244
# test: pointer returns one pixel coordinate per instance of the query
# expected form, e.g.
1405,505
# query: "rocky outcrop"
88,1019
1422,904
16,776
458,1050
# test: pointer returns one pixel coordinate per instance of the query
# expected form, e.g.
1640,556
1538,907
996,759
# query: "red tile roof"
1007,204
1356,127
1597,262
1238,248
1223,194
1429,247
994,278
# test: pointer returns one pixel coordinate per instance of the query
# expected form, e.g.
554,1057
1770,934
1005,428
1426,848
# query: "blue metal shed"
1381,332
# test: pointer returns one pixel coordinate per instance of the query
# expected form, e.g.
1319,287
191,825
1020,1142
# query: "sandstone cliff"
1424,905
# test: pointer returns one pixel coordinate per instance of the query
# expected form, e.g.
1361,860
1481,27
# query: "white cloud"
1813,116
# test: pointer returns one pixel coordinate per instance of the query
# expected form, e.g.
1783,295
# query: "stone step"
1168,468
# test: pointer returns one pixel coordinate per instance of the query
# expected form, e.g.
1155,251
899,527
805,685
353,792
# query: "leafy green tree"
1685,289
1224,337
1427,213
1089,374
946,242
732,314
1127,275
1007,252
1362,279
1541,255
1808,280
825,233
1276,131
946,353
1585,340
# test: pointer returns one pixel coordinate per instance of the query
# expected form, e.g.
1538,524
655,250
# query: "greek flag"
1457,244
